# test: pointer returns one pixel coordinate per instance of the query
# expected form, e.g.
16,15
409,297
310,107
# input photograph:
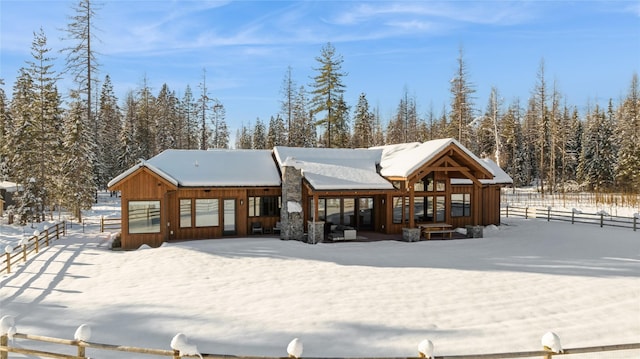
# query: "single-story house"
197,194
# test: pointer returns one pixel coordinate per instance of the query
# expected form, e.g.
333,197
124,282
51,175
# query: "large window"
265,206
460,205
144,216
400,209
207,213
185,213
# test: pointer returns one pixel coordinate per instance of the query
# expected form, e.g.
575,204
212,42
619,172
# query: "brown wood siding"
139,186
242,219
475,206
491,205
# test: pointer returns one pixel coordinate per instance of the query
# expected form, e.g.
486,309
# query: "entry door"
365,210
436,209
229,218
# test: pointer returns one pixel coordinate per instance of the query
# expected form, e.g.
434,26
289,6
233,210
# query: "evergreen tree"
79,189
342,132
327,89
259,136
37,113
276,133
6,129
110,118
244,138
145,119
628,132
220,135
299,129
462,103
598,159
363,124
130,151
167,121
189,111
514,151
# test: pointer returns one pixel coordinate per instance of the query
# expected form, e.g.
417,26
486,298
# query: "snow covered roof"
403,160
212,168
335,168
500,176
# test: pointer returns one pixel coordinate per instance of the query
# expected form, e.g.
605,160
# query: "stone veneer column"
292,225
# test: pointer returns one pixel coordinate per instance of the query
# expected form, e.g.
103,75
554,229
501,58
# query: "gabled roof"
500,176
404,160
335,168
211,168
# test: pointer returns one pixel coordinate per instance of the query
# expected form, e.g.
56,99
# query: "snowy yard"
251,296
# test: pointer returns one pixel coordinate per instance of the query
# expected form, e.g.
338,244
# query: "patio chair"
256,227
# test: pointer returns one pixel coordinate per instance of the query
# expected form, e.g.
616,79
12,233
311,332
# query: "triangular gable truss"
142,169
451,159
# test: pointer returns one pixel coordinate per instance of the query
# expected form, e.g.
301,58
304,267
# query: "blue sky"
590,48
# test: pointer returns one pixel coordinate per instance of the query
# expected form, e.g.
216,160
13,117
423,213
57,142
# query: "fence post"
8,262
526,213
507,210
101,224
37,243
601,218
573,215
176,354
4,342
24,251
548,213
635,222
46,235
81,351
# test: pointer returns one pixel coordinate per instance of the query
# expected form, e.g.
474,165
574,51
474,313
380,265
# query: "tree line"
61,149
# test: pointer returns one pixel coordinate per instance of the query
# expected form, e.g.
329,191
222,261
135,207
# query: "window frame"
151,217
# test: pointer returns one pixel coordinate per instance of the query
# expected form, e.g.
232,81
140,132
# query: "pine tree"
6,128
363,124
276,133
342,132
628,133
598,158
299,128
145,119
462,103
514,150
189,111
130,151
79,190
220,135
259,136
167,121
34,143
110,118
244,138
328,88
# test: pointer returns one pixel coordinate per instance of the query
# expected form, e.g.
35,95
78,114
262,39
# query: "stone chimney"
291,215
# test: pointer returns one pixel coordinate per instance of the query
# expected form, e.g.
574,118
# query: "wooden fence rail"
28,245
80,346
601,218
110,223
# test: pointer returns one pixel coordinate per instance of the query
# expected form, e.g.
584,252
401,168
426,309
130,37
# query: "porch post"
477,203
412,222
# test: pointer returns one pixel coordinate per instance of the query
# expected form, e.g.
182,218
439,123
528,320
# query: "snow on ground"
251,296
